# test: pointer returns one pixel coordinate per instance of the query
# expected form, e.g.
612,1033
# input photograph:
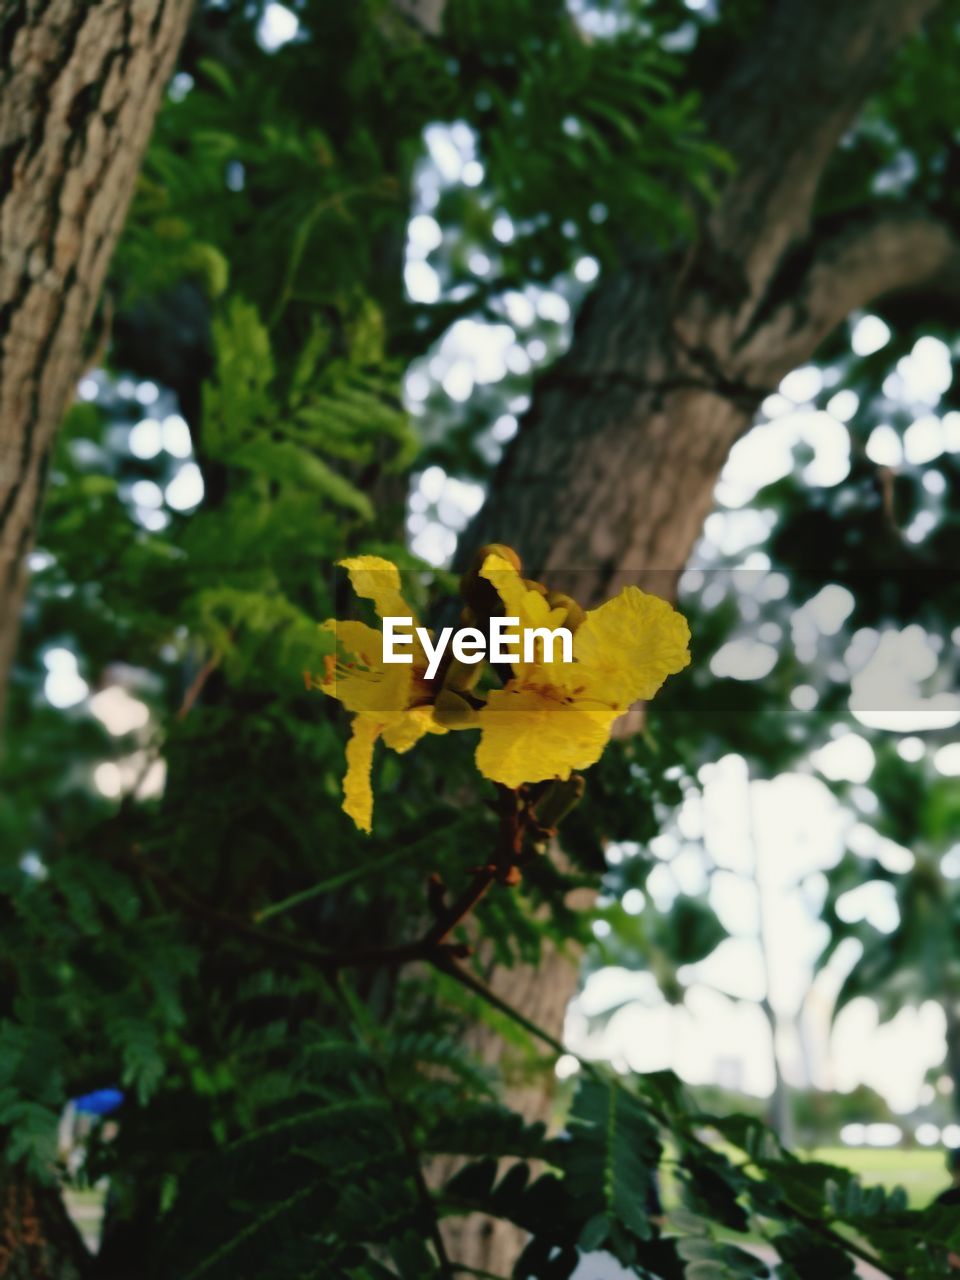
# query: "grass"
921,1173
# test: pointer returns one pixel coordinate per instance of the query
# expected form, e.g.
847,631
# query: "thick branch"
795,90
847,269
613,471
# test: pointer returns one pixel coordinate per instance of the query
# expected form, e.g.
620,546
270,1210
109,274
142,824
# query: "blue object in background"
99,1103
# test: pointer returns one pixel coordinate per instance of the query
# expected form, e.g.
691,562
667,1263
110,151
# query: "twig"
337,200
842,1242
370,1036
357,872
197,684
423,1191
447,964
433,946
331,961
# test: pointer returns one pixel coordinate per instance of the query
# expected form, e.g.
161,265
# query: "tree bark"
37,1238
613,471
80,84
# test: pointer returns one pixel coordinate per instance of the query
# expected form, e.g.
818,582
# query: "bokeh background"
777,853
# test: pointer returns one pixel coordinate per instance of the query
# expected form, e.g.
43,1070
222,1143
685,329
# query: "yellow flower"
391,701
551,718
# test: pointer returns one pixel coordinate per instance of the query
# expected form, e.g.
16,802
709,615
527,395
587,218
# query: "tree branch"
428,947
518,822
823,1229
425,14
614,486
780,113
842,270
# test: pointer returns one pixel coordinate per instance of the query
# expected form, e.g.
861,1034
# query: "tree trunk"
80,84
37,1238
780,1116
951,1011
613,471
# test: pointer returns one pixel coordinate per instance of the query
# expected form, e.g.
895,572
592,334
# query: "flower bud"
497,549
453,711
480,595
575,613
462,675
560,798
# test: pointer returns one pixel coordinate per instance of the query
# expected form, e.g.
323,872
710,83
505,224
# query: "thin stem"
841,1241
446,964
427,1201
423,1191
338,201
358,872
197,684
434,948
316,956
433,945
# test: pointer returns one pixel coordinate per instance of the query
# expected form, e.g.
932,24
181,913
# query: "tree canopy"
401,281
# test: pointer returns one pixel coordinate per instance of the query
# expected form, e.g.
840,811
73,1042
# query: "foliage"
915,958
287,1102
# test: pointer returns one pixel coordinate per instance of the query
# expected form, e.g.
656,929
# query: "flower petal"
357,638
410,728
367,685
357,791
528,735
519,601
376,579
626,648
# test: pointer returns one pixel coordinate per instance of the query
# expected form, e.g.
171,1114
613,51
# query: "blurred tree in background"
359,233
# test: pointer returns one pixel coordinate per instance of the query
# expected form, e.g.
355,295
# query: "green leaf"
595,1233
612,1154
290,464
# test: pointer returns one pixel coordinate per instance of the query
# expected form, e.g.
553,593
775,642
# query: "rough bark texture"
613,471
80,84
614,468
